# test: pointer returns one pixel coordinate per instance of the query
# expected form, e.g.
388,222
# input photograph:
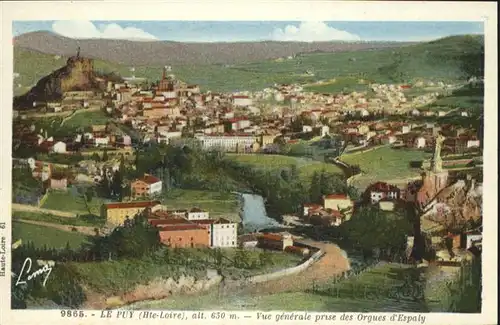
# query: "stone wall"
282,273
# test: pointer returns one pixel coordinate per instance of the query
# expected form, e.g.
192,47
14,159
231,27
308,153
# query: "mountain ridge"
171,52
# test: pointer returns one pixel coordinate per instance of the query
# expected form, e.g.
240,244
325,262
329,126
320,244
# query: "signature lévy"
26,269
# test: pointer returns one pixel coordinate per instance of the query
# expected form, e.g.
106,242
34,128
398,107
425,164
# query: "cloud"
312,32
86,29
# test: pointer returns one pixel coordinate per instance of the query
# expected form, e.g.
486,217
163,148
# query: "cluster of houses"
177,228
410,135
194,228
336,209
172,109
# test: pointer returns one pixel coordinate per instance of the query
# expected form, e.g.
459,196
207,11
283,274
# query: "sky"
238,31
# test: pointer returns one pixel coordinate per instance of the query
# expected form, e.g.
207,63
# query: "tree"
105,155
371,228
315,191
89,194
105,185
136,239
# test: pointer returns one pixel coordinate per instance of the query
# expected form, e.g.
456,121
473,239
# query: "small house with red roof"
382,191
327,217
146,186
58,182
339,202
274,241
309,207
184,235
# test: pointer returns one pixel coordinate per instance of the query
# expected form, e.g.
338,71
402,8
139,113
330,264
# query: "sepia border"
254,10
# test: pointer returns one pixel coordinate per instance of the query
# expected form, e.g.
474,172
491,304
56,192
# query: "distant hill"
178,53
449,59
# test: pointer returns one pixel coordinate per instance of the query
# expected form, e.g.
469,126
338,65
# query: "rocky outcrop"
456,205
76,75
159,288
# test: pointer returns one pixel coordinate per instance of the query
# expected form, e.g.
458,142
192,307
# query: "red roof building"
146,186
382,191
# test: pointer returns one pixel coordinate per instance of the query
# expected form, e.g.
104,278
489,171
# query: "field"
41,236
86,221
217,204
367,292
439,61
85,119
338,85
384,164
305,166
470,99
69,201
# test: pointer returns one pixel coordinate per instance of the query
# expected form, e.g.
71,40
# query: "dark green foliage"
63,287
136,238
371,228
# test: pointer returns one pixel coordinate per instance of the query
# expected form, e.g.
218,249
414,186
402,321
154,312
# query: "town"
329,168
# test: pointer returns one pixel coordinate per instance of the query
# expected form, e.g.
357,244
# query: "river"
253,215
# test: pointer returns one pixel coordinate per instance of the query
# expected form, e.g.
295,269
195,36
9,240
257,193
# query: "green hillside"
447,59
45,236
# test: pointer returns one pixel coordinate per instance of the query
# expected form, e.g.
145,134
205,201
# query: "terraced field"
46,236
384,164
306,166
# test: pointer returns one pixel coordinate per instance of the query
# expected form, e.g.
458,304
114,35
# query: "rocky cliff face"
457,205
77,74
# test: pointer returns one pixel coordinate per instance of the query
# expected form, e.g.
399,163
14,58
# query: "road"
30,208
89,231
331,264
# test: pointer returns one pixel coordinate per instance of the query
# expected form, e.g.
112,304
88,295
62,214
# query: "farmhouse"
197,214
339,202
274,241
223,233
146,186
380,190
116,213
59,147
184,235
58,182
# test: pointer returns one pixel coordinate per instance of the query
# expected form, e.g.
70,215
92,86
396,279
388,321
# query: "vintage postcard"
249,163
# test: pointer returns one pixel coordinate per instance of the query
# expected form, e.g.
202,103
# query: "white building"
325,130
420,142
279,97
197,214
224,233
473,143
405,129
242,101
165,137
169,94
148,185
59,147
306,128
239,123
101,141
230,143
474,238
